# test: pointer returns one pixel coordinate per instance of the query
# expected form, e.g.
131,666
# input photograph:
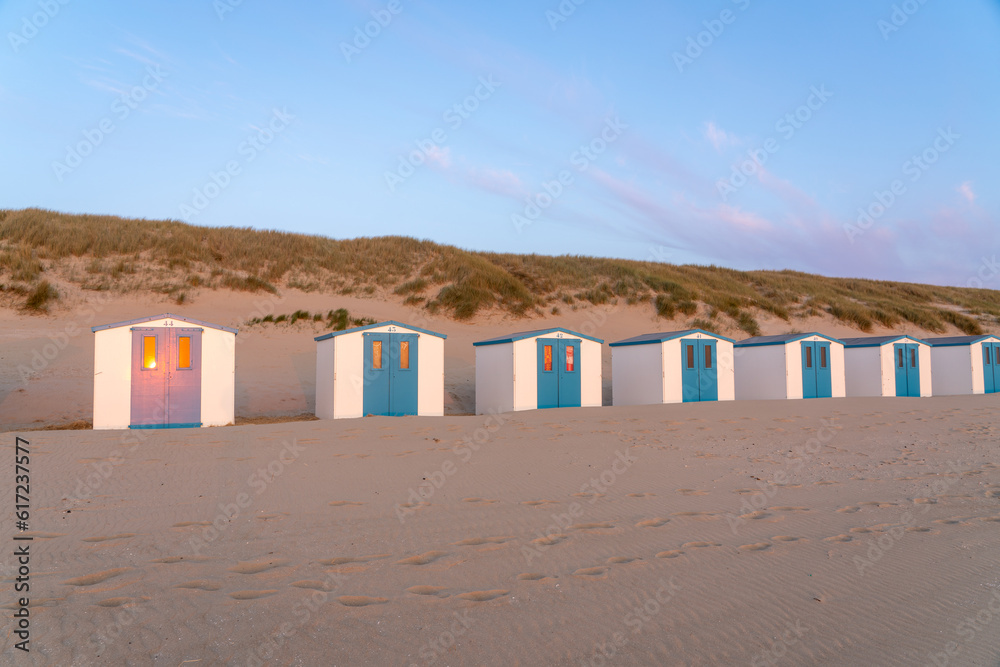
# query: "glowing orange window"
149,352
377,354
184,352
569,358
404,355
548,357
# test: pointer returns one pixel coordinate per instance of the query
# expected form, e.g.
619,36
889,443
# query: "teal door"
558,373
390,374
991,367
906,359
699,375
817,378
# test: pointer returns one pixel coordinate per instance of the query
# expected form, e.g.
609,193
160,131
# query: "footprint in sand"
756,546
951,522
346,560
201,585
435,591
480,501
838,538
106,538
589,494
96,578
850,509
591,571
692,492
251,595
759,514
187,524
694,514
422,559
862,529
743,492
345,503
786,538
878,504
483,596
118,602
532,576
641,495
992,493
699,545
478,541
787,508
248,567
549,540
918,529
825,483
669,554
265,517
535,503
621,560
591,526
652,523
989,518
180,559
311,584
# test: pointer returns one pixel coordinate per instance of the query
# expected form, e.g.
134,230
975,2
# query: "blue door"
390,374
558,373
991,367
699,375
906,359
817,378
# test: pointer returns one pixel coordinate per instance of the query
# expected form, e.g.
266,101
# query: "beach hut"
673,367
387,368
546,368
804,365
164,371
887,366
965,364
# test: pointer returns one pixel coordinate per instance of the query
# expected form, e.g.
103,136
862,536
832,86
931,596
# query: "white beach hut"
965,364
673,367
387,368
546,368
164,371
887,366
805,365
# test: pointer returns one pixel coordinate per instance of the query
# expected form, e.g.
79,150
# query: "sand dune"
860,533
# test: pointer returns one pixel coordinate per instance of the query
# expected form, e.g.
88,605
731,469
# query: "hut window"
377,354
900,357
708,357
149,352
404,354
822,357
690,356
184,352
913,358
548,357
809,357
569,358
996,352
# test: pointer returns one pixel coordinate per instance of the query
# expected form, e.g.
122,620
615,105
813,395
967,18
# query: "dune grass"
178,259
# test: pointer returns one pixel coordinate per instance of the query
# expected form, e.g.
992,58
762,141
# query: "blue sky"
733,132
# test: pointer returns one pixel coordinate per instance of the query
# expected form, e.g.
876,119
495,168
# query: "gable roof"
334,334
946,341
143,320
647,339
510,338
877,341
782,339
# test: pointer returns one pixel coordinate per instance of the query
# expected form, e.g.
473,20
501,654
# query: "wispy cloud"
965,189
718,137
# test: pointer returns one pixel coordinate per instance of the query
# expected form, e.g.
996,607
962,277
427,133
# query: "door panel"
548,373
817,376
990,367
559,373
403,383
375,385
913,370
184,377
708,375
569,373
690,375
166,377
899,364
809,370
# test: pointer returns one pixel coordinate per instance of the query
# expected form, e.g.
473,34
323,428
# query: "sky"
856,138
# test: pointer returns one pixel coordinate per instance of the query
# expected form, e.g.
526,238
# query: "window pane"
809,357
548,357
149,351
376,354
900,357
708,357
913,358
404,354
997,351
569,358
184,352
822,357
690,355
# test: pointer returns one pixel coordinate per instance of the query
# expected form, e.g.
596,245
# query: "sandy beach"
833,531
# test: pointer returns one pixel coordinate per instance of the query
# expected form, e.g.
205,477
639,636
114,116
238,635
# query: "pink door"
166,377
